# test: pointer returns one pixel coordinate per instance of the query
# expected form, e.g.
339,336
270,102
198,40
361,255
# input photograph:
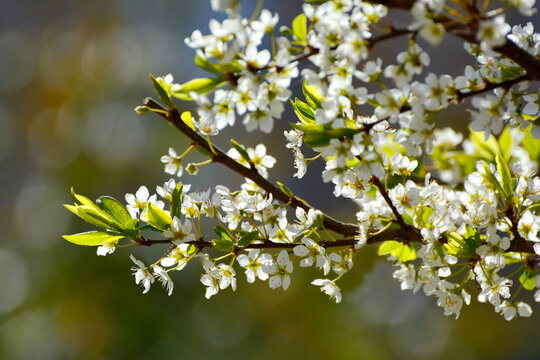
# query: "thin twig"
375,181
491,86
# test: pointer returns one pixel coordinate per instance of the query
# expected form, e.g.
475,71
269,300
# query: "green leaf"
486,149
463,246
493,180
531,144
313,96
115,209
304,112
198,85
83,199
223,245
308,128
149,228
203,151
233,66
241,150
163,91
465,160
90,210
188,119
407,253
510,72
285,189
407,218
207,65
176,201
373,102
506,177
157,217
93,238
400,251
225,242
388,247
132,229
247,239
222,233
285,31
472,240
320,135
92,214
456,245
317,139
513,258
505,143
299,27
426,214
86,213
527,278
342,132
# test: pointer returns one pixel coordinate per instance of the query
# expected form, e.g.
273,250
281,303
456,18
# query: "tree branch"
519,244
521,57
218,156
405,233
508,49
371,42
465,32
395,4
375,181
488,86
390,234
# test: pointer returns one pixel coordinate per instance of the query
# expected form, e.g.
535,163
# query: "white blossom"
329,287
173,163
279,271
164,278
142,275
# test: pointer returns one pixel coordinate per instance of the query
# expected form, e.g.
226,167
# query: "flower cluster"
452,212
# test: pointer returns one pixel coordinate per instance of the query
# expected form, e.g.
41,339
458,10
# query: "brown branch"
371,42
465,32
519,244
392,34
509,49
406,236
218,156
396,4
521,57
459,96
488,86
272,245
405,233
375,181
390,234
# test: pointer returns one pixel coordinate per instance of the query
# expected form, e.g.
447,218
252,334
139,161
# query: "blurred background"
71,73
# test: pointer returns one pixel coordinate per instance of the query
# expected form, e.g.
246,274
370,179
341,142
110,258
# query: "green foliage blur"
71,73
